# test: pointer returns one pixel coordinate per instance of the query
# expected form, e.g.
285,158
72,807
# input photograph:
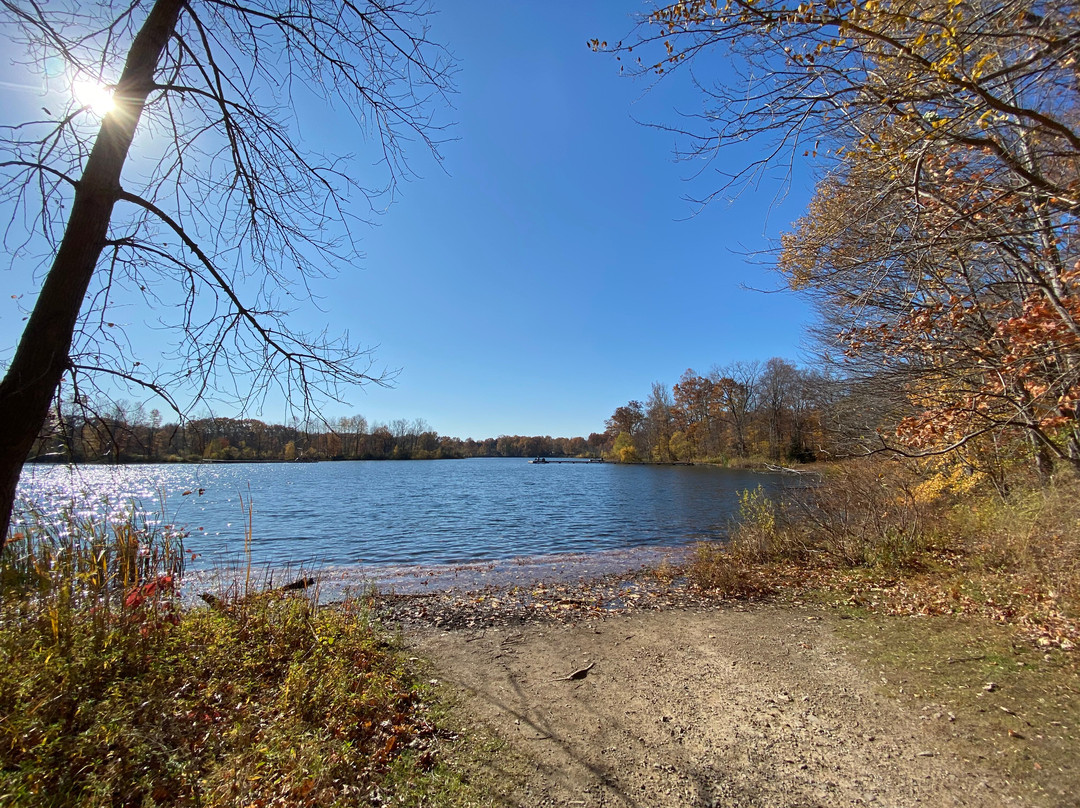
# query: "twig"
300,583
580,673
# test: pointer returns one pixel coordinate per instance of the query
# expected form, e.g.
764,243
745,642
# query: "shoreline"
336,583
811,687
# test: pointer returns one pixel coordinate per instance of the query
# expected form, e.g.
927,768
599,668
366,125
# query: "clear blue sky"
551,268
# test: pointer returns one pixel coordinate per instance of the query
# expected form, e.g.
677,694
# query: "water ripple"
400,513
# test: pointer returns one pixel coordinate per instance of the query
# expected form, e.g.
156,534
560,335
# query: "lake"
384,517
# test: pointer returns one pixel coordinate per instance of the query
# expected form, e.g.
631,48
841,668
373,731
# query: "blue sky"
551,268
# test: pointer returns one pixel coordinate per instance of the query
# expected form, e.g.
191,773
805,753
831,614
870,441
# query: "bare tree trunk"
42,356
1043,459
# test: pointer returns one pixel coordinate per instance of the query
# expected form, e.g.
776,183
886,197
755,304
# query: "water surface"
397,514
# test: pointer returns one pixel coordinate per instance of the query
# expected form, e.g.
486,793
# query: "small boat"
539,460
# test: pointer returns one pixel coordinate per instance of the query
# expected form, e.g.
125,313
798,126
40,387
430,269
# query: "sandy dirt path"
732,706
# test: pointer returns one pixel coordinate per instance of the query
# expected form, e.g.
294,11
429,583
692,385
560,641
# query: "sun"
93,95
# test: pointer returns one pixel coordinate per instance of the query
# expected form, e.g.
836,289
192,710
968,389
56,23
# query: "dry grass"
908,540
1032,536
714,569
865,513
860,514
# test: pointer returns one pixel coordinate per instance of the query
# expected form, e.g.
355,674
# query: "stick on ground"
580,673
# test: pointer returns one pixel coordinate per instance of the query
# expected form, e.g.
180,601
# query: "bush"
714,569
756,536
866,513
861,513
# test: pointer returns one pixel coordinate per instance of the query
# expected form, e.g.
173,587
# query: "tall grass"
65,567
1032,534
111,694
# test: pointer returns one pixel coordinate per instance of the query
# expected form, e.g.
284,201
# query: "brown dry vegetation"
890,537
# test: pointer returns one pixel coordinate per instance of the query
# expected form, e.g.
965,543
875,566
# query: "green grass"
990,696
111,694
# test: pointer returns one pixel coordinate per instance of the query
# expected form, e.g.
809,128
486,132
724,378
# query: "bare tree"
736,386
779,381
219,208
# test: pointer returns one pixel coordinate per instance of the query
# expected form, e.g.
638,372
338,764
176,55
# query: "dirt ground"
737,705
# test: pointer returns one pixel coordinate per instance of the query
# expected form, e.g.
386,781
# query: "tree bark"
42,356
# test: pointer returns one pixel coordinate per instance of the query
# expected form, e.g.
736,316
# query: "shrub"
714,569
756,534
861,513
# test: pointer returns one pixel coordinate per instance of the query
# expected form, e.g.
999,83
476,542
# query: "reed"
62,570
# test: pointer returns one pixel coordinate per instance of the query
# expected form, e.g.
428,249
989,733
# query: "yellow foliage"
757,511
953,479
625,452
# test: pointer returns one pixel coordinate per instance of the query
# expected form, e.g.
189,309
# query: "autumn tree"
696,415
947,312
219,209
941,244
628,419
730,412
352,429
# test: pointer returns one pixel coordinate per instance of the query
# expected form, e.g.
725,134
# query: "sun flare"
93,95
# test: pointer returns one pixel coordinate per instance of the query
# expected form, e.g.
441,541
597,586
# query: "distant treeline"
771,409
124,433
